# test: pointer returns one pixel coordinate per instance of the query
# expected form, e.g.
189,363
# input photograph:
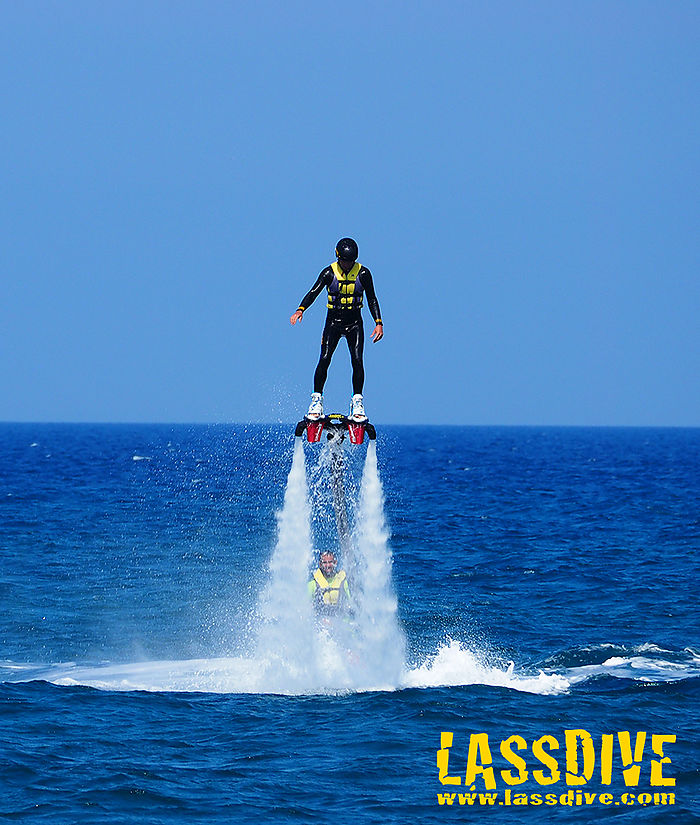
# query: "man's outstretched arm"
310,296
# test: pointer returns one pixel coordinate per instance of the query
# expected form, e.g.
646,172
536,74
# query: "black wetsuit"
341,323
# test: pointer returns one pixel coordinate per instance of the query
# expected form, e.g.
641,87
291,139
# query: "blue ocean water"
545,580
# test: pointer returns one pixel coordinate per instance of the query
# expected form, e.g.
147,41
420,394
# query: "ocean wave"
453,664
456,664
635,668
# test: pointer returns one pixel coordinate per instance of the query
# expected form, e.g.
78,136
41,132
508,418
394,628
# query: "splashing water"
456,664
285,637
383,643
301,653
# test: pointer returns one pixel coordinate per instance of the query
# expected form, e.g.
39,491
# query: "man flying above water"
346,281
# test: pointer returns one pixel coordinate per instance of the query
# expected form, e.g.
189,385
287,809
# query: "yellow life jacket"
330,590
345,290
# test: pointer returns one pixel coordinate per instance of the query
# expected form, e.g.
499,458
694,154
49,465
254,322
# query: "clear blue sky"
521,177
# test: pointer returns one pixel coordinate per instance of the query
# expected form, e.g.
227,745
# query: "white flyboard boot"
357,408
315,407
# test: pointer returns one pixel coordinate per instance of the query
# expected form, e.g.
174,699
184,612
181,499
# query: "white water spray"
285,636
300,651
383,644
297,654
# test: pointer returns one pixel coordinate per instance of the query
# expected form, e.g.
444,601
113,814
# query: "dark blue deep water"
547,580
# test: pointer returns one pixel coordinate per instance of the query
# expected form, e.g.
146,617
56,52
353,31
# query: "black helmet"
346,250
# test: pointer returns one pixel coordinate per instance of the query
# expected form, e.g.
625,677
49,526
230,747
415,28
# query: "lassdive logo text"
570,762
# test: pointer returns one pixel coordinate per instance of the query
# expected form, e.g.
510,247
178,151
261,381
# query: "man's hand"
296,317
377,333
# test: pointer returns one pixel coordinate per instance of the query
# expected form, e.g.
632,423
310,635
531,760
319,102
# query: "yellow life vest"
330,590
345,290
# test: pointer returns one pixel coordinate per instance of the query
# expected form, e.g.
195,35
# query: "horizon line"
291,424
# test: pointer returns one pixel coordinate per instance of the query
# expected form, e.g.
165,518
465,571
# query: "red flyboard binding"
314,430
336,426
357,432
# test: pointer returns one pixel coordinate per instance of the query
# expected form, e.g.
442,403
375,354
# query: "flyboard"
337,427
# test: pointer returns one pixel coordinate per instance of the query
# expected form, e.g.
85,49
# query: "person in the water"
328,587
346,281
